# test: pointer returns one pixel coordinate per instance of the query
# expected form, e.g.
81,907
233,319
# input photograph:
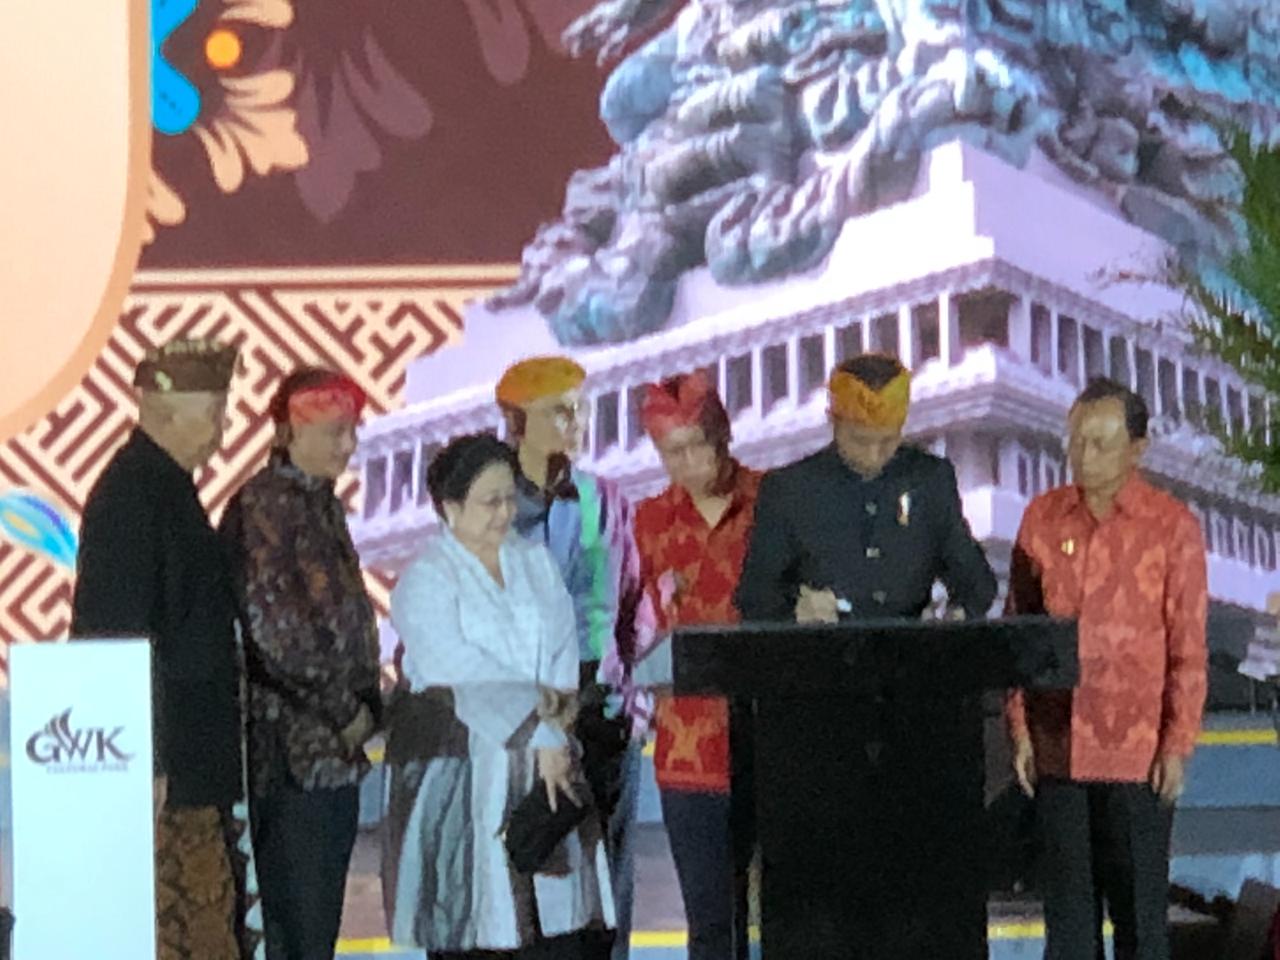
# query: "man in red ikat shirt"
692,538
1105,762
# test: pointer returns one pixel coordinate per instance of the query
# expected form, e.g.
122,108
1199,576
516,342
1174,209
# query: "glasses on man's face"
496,503
1078,444
693,450
564,417
569,412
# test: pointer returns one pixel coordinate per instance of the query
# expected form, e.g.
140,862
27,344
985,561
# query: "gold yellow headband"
854,401
538,377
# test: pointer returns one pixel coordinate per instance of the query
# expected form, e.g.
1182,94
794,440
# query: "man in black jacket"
861,530
864,526
150,565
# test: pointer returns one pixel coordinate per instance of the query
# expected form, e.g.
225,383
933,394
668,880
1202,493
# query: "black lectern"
868,772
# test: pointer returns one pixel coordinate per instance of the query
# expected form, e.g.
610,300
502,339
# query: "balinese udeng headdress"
665,409
187,366
317,396
536,378
852,400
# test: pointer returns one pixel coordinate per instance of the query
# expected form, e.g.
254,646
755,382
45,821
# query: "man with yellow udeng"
585,521
861,530
863,527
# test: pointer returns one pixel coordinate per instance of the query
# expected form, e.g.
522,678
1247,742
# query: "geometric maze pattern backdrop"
368,322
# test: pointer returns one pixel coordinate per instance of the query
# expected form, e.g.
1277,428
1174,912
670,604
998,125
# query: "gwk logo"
61,748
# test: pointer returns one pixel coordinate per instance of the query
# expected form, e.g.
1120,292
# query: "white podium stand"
81,773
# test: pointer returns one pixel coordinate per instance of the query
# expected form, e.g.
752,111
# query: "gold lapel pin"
904,509
1069,547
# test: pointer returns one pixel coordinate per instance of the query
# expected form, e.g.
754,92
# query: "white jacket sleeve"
426,611
494,699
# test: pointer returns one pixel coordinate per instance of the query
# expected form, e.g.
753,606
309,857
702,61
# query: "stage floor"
658,905
1016,928
1227,830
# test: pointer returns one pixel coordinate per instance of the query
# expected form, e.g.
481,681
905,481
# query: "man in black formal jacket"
865,526
861,530
150,565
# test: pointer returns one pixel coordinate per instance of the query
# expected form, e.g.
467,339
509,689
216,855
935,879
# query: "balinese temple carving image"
990,191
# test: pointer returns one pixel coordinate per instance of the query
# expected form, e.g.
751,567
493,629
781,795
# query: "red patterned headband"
663,411
338,399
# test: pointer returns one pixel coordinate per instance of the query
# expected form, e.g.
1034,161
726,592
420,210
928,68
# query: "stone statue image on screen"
750,131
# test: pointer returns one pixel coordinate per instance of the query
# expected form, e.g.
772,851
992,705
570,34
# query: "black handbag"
534,830
604,749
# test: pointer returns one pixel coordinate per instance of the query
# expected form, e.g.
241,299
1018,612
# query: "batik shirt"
1136,580
311,642
676,544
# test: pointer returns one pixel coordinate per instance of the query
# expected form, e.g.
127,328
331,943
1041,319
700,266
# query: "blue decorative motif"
175,101
637,93
750,131
32,522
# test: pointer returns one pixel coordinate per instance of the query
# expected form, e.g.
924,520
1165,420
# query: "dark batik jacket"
311,645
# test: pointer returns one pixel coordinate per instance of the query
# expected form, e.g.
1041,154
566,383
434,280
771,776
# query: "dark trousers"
612,762
1104,844
713,862
303,841
620,848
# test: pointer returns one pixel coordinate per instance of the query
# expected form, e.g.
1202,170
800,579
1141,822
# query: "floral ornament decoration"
243,118
353,100
164,207
502,27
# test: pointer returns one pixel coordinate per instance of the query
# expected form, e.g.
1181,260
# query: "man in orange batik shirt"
692,538
1106,761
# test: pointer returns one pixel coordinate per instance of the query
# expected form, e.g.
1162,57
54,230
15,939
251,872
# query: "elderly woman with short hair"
491,660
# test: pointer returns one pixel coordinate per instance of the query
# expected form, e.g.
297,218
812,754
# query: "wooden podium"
867,771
